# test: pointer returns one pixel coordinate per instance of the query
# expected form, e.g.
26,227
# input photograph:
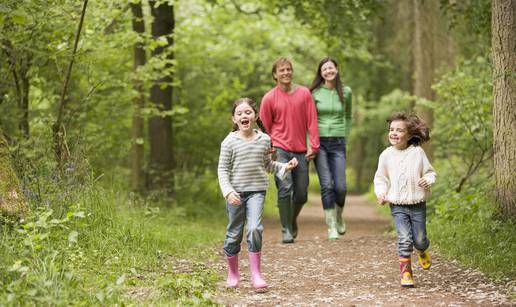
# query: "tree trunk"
58,130
24,99
138,102
160,127
504,106
12,202
424,60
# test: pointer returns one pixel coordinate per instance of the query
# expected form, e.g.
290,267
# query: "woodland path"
360,269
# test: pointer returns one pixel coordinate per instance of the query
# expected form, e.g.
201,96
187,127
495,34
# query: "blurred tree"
161,157
137,153
423,48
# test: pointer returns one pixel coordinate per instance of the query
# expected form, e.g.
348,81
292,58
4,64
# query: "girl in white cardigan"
403,179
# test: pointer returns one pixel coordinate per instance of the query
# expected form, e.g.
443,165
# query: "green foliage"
471,20
107,242
369,135
463,122
463,228
219,64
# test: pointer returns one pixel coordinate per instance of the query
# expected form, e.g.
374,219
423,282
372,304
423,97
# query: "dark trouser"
292,192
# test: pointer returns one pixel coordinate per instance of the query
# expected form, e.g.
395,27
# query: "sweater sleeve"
381,177
224,169
313,129
348,95
428,171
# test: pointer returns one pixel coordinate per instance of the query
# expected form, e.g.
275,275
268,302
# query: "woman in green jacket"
333,102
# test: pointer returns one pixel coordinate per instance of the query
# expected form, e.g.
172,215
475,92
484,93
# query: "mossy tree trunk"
12,202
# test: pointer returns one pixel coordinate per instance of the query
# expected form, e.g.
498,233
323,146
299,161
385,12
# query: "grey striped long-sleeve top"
243,163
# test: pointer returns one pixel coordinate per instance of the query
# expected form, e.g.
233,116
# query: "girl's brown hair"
252,104
416,127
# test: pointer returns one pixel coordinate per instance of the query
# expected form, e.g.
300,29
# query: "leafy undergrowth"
104,248
463,227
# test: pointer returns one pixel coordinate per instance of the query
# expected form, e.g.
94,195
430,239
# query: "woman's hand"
422,182
233,198
292,164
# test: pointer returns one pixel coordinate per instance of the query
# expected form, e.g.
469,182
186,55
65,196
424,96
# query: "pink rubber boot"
233,275
256,275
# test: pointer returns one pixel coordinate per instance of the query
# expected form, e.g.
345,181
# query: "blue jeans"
294,188
410,222
249,212
331,169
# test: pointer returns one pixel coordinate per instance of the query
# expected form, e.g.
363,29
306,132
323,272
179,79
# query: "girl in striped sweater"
245,156
403,179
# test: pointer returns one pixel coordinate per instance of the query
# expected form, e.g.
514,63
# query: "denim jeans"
249,212
410,222
294,188
331,170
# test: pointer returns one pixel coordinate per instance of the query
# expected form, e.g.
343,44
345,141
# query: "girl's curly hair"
417,128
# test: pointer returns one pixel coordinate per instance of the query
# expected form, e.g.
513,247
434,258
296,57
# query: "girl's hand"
233,198
422,182
273,154
382,200
292,164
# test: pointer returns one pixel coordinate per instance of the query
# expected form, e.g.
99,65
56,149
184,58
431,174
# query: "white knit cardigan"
398,172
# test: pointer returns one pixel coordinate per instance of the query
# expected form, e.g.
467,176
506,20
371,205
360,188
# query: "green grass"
463,228
107,249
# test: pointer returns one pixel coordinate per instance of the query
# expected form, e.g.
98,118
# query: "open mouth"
244,122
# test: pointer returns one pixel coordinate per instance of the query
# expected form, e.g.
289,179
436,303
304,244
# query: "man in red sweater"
288,112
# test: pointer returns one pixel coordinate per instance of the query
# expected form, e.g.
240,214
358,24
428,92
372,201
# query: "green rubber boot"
341,226
297,210
329,216
286,217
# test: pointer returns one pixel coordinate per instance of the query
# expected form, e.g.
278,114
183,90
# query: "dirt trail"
360,269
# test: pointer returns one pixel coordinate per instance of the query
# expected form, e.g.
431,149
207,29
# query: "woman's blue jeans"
410,222
249,212
331,169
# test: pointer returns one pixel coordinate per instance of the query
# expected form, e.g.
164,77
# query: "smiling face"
283,74
244,117
329,72
398,134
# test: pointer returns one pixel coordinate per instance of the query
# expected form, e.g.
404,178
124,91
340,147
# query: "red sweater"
287,118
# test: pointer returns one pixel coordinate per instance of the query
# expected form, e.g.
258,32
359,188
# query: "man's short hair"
278,62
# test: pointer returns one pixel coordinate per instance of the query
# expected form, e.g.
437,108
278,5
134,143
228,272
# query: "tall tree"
504,108
424,59
161,158
138,101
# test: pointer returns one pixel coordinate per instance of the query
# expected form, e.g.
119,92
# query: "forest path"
359,269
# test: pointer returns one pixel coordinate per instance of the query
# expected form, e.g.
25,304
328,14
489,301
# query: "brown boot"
406,273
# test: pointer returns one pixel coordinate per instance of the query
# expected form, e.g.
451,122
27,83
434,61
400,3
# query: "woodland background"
112,114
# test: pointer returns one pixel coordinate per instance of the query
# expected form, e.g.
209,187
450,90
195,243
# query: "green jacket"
333,118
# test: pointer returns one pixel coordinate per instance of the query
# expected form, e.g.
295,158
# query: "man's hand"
233,198
309,155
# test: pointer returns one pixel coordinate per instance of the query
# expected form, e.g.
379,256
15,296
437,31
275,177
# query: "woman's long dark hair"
253,106
318,80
